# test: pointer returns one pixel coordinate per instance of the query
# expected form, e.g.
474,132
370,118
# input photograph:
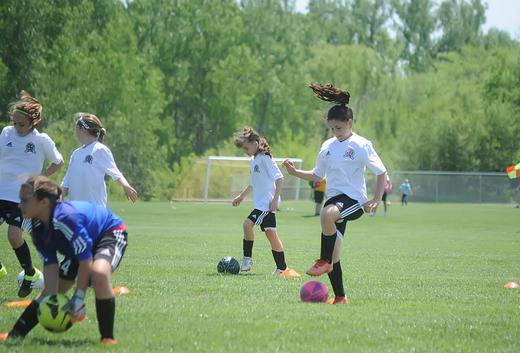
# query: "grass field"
428,278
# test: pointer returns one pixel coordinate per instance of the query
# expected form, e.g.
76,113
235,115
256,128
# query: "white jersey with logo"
22,157
85,177
343,164
264,173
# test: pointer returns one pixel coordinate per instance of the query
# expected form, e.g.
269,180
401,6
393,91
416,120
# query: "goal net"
223,178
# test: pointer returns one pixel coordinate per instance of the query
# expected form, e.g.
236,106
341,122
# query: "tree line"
172,80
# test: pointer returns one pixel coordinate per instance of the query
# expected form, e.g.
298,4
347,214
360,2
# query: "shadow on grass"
310,216
65,342
248,274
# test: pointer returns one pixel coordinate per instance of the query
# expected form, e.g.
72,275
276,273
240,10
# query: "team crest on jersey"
30,148
349,153
9,144
89,159
256,168
328,153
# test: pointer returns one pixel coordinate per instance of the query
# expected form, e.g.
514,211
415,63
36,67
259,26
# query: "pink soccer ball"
314,292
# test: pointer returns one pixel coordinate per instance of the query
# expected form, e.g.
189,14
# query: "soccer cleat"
247,263
320,267
4,336
338,300
108,341
287,273
3,271
27,284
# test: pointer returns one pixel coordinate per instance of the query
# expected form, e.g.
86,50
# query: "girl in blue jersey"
92,235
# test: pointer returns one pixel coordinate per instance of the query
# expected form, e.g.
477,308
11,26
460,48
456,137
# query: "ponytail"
29,107
250,135
92,124
329,93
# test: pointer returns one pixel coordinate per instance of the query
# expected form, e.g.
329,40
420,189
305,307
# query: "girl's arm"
53,168
378,194
303,174
130,192
237,200
273,205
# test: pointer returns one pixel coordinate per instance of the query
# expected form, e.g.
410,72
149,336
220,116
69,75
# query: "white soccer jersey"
343,164
264,173
22,157
85,177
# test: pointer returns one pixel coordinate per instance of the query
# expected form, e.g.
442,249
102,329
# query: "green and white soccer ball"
51,315
34,285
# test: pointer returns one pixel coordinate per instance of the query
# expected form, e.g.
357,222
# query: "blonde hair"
92,124
29,107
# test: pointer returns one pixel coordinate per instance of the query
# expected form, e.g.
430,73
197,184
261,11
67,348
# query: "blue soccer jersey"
76,227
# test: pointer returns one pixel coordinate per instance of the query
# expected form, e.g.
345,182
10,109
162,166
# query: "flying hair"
250,135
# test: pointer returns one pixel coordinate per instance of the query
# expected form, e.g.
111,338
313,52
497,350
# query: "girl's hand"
131,193
237,201
289,165
273,205
370,204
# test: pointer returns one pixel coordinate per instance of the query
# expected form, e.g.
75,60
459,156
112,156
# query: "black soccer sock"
24,257
26,321
327,246
247,245
336,280
279,258
106,312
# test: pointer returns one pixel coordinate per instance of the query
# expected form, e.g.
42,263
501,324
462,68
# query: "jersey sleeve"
49,149
72,226
272,169
3,140
107,163
320,169
373,161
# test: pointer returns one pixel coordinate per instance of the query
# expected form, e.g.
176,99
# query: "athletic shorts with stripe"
10,213
349,209
111,246
265,219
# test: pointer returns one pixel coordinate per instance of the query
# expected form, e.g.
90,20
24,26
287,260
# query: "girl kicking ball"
91,234
342,160
266,182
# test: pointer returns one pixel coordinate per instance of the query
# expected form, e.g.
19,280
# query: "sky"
502,14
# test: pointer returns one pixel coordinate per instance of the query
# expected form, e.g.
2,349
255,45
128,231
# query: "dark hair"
329,93
250,135
43,187
29,107
92,124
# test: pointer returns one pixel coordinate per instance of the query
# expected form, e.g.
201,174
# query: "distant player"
85,177
266,182
406,189
83,231
23,152
342,160
318,190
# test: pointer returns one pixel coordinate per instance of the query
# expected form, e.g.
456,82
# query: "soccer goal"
226,177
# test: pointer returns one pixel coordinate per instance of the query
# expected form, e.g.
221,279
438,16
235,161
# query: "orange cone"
121,290
18,304
511,285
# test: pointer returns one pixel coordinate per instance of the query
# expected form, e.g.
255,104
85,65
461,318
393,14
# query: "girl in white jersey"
85,177
266,181
342,160
23,151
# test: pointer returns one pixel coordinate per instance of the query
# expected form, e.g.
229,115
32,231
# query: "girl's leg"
329,215
277,248
105,299
247,245
21,249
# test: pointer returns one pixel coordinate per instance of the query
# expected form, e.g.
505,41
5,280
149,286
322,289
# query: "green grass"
428,278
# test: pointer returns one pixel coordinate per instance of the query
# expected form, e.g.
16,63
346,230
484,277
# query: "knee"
328,216
248,225
99,276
